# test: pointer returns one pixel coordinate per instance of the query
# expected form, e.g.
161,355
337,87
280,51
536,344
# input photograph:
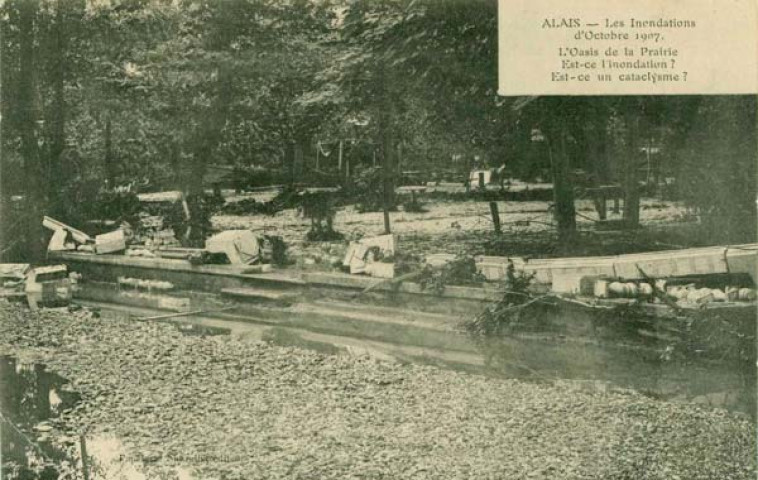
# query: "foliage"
398,59
99,94
719,157
278,249
319,208
413,205
404,262
82,205
192,232
367,190
460,271
287,198
503,316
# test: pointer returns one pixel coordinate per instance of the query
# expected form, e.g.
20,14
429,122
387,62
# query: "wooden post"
400,158
339,159
495,217
481,181
85,461
467,166
290,159
386,208
386,183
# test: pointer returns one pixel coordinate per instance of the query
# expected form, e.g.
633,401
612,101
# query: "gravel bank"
229,408
441,228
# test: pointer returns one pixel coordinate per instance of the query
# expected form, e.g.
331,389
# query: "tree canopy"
98,93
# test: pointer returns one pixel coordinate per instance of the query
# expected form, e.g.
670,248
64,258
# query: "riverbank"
230,407
466,228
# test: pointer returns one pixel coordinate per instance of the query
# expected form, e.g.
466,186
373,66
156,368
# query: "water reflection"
197,330
29,397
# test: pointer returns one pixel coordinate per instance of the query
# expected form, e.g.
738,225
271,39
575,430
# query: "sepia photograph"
378,239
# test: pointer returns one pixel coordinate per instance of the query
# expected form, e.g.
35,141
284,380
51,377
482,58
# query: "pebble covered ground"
443,220
228,408
452,227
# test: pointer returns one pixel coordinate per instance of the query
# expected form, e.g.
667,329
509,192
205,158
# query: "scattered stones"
226,407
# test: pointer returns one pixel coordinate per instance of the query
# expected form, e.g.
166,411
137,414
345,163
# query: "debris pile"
685,294
152,232
13,277
153,239
46,286
689,277
372,256
66,237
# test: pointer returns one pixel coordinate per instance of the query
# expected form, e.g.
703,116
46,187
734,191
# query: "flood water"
713,384
30,399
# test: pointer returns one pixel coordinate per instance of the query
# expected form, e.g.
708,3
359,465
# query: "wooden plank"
259,294
76,234
185,314
672,263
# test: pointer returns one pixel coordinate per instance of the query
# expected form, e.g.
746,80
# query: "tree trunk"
27,118
631,187
596,139
597,142
110,174
299,155
290,159
388,189
563,191
339,160
5,211
56,170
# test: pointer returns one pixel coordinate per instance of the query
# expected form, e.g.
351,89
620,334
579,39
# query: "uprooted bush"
192,232
278,248
320,208
504,315
460,271
287,198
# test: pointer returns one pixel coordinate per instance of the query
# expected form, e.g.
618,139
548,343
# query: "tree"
716,169
27,119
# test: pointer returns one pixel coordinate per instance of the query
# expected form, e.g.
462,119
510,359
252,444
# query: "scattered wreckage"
47,286
237,247
682,279
149,268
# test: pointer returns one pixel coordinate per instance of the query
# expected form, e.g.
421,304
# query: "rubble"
370,255
111,242
13,275
240,246
77,235
227,407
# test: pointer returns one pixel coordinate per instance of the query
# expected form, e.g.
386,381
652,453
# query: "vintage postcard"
378,239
